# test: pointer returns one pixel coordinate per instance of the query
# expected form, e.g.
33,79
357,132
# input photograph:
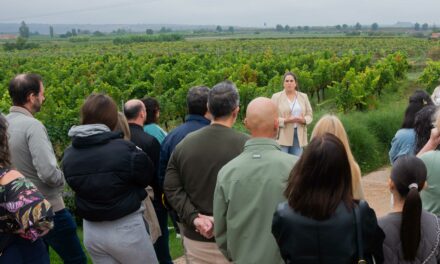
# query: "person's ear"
391,185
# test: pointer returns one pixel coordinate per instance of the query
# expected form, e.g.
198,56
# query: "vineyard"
347,74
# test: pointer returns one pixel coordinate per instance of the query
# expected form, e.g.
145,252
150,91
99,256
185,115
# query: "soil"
377,194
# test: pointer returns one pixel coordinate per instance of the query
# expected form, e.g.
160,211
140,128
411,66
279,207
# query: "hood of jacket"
94,134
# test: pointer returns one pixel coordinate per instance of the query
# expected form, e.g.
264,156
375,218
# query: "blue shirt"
403,143
192,123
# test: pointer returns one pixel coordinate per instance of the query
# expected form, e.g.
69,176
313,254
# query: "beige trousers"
197,252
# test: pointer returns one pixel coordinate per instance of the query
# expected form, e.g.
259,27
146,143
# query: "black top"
151,146
108,175
305,240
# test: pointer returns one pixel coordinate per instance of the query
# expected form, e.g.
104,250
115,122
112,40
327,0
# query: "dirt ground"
376,192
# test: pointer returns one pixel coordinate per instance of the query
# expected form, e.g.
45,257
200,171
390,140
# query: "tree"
374,26
231,29
74,32
279,27
416,26
425,26
51,31
338,27
24,30
306,28
358,26
219,29
344,26
299,28
149,31
286,28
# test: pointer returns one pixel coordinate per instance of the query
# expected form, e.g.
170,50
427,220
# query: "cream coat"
285,137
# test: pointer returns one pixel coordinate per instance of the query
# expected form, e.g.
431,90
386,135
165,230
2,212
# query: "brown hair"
5,156
406,171
321,179
99,109
122,126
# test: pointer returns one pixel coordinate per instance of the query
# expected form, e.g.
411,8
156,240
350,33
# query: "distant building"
435,36
8,36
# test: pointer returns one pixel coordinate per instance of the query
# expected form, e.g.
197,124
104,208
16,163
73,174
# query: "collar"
135,126
265,143
198,118
21,110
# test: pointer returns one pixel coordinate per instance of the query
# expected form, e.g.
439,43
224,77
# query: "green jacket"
248,190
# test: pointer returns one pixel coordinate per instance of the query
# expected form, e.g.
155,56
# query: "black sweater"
107,174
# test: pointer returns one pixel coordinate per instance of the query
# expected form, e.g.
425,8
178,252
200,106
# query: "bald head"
262,118
134,111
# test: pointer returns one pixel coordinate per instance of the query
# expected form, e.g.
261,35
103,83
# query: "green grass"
176,248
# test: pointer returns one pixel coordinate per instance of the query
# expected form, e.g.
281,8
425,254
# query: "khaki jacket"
285,136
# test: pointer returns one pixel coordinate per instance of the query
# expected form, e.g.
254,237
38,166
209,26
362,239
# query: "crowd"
267,197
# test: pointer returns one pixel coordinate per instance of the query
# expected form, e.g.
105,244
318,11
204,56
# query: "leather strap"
358,226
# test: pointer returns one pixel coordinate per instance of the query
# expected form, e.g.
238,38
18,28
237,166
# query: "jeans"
162,246
23,251
64,240
295,149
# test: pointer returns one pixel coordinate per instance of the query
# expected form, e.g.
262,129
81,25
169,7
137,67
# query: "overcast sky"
220,12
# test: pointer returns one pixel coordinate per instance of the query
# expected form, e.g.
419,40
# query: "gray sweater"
392,246
32,154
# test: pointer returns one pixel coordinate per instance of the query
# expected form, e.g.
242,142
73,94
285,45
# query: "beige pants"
197,252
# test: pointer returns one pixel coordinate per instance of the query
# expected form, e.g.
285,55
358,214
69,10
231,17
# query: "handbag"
358,231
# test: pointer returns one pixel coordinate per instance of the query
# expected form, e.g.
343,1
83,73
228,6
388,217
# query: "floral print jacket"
23,210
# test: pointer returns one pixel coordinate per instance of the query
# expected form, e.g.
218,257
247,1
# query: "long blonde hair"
331,124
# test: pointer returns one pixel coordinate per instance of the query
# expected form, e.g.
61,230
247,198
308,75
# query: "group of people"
266,197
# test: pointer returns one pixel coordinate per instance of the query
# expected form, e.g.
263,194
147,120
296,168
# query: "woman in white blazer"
295,113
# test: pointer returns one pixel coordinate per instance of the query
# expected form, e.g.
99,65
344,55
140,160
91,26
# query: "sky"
246,13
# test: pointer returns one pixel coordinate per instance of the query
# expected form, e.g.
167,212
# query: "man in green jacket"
249,188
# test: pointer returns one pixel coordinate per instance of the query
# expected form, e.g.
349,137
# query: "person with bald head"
249,188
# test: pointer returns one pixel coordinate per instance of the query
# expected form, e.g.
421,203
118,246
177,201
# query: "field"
365,80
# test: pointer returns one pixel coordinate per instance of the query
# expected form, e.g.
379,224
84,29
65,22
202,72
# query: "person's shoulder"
430,156
277,94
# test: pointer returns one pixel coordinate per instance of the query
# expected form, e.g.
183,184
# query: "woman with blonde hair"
331,124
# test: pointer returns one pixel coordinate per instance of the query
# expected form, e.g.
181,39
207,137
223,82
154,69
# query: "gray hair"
223,98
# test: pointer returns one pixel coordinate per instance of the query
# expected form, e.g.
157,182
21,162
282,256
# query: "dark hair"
196,100
152,107
417,101
223,98
289,73
132,111
22,85
321,179
407,170
5,156
99,109
423,125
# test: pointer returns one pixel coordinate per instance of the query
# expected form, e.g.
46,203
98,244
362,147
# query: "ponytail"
409,176
410,227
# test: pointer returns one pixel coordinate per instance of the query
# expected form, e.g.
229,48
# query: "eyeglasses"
289,80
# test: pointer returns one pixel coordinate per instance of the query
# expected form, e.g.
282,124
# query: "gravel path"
376,192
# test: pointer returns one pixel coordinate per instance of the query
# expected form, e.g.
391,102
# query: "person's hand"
204,225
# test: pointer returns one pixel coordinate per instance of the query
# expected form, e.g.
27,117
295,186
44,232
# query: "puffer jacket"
332,241
107,173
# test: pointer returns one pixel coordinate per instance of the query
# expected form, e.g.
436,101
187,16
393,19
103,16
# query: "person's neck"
291,94
28,107
227,122
398,203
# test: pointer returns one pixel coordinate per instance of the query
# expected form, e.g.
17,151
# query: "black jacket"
151,146
307,241
108,175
